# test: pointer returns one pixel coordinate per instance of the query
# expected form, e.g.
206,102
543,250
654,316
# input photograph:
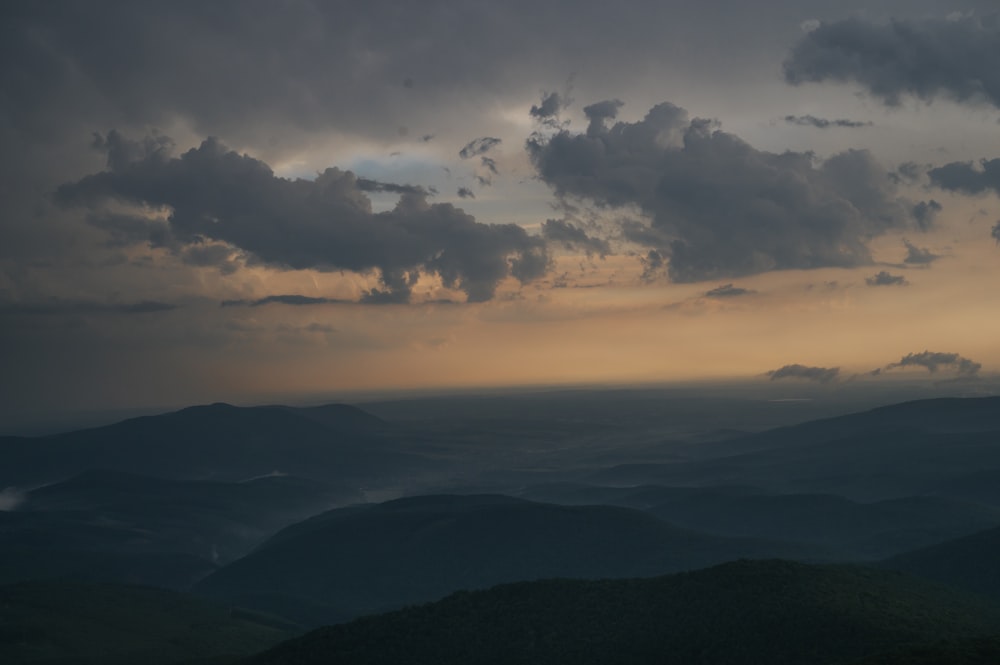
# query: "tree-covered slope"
59,623
745,612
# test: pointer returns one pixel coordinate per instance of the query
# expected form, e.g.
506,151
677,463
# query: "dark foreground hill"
744,612
59,623
971,563
977,651
372,558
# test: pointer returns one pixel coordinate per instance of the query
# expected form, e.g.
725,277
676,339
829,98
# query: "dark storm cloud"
883,278
574,237
653,266
966,177
549,107
367,185
919,255
288,299
212,193
600,113
719,207
130,230
924,213
796,371
479,146
728,291
824,123
466,193
955,58
932,361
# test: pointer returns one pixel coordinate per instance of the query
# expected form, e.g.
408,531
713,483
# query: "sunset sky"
247,200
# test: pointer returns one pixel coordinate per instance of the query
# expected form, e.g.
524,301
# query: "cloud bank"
720,208
796,371
211,193
954,58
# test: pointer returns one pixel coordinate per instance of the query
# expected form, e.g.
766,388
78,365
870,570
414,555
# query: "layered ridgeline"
371,558
62,623
971,563
847,530
739,613
116,526
218,441
914,448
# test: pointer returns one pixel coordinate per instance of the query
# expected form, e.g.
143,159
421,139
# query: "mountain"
906,449
123,527
745,612
851,530
58,623
371,558
336,443
972,651
971,563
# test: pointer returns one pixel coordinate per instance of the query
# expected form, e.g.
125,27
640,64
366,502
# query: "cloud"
728,291
919,255
932,361
796,371
289,299
995,232
823,123
954,58
479,146
466,193
717,206
210,193
924,212
549,107
883,278
368,185
966,177
573,237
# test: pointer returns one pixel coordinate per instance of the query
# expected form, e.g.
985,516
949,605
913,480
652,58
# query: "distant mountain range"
284,511
219,442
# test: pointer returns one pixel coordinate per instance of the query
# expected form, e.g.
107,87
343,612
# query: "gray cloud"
368,185
883,278
653,265
287,299
955,58
720,207
966,178
574,237
919,255
479,146
995,232
212,193
466,193
932,361
728,291
796,371
549,107
824,123
924,212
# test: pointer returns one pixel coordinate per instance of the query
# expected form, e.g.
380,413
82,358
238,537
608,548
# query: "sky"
247,200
